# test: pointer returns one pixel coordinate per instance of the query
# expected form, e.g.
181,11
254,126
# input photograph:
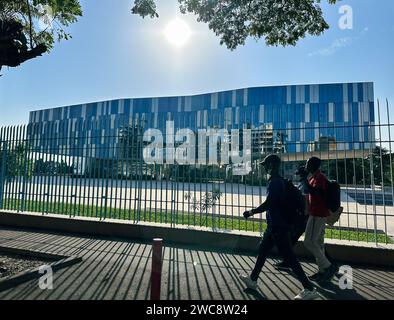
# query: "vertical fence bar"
372,127
391,164
381,173
3,164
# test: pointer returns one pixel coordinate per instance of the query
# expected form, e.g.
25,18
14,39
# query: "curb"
10,282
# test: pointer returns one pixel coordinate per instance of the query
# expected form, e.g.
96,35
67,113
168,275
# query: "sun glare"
177,32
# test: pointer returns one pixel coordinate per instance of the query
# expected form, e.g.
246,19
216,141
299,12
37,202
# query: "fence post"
3,167
156,269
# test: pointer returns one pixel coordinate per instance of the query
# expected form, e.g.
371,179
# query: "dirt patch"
11,265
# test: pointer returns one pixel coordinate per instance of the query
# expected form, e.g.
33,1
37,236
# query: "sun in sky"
177,32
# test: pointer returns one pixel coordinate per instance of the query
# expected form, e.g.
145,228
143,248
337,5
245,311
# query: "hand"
248,214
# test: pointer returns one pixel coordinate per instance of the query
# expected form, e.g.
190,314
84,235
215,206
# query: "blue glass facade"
305,113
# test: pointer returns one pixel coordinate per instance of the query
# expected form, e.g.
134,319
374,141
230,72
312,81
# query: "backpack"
333,196
295,204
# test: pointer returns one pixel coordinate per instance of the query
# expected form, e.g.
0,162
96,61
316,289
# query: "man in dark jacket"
278,231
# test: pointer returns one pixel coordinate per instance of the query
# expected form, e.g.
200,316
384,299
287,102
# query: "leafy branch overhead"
279,22
29,28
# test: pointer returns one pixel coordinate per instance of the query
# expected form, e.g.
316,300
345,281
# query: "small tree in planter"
207,201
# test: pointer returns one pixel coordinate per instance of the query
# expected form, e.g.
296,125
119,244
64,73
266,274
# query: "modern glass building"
294,119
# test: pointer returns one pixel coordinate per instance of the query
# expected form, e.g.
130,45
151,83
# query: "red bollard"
156,269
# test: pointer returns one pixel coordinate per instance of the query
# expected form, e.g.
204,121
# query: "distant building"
293,120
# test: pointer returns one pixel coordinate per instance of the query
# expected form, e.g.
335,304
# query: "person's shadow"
332,291
257,295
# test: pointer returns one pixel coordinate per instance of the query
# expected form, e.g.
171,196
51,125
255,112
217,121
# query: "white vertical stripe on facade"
102,136
346,112
131,106
179,104
370,92
214,101
288,125
68,112
360,112
234,98
307,112
83,113
121,106
155,119
188,104
205,118
288,94
246,97
317,133
199,119
99,109
228,116
302,132
331,112
355,92
365,111
261,114
113,121
365,92
155,105
50,115
237,116
361,133
314,93
300,94
345,93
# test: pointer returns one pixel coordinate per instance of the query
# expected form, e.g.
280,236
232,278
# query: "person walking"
298,228
278,232
316,187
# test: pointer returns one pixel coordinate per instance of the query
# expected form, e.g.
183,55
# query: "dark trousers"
281,238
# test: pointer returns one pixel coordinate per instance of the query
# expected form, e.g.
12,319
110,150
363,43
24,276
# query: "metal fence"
47,168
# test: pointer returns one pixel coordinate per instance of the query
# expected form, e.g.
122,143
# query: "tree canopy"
279,22
29,28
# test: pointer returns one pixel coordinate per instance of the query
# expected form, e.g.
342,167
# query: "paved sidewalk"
120,269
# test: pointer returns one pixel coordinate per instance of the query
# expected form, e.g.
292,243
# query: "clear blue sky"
114,54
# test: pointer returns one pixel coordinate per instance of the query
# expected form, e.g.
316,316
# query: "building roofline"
204,93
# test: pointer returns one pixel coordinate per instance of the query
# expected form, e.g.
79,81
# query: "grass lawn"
179,218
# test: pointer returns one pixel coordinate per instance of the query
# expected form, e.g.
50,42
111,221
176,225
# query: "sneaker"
329,274
316,276
282,266
250,284
307,295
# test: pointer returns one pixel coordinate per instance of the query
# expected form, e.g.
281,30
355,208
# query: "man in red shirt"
316,188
